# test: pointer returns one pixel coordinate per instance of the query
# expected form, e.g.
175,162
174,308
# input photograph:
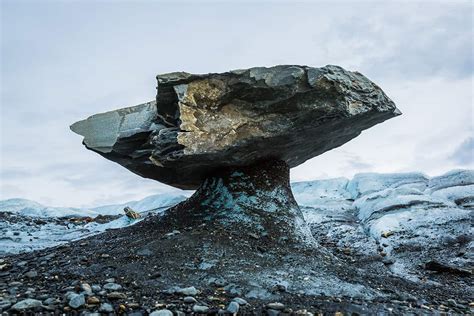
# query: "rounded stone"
162,312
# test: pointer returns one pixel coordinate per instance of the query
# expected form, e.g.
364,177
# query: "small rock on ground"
27,304
162,312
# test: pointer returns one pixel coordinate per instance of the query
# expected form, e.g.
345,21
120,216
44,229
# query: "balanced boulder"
201,123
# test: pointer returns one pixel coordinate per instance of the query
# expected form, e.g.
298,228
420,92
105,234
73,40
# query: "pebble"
116,296
188,291
51,301
272,312
386,234
189,300
77,300
145,252
4,304
112,287
451,302
31,274
96,288
174,232
133,305
86,288
239,301
106,308
233,289
26,304
388,261
276,306
233,307
219,282
14,283
93,300
110,280
69,294
162,312
200,309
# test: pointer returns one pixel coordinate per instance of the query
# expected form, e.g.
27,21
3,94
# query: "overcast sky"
63,61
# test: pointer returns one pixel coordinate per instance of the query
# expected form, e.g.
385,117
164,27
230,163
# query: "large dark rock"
201,123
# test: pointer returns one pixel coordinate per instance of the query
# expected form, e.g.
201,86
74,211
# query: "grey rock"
206,265
144,252
116,296
162,312
69,295
86,288
276,306
233,307
218,282
42,297
233,289
200,309
77,300
173,233
106,308
110,280
189,300
259,293
14,284
201,123
112,287
451,302
31,274
187,291
51,301
272,312
96,288
25,304
239,301
5,304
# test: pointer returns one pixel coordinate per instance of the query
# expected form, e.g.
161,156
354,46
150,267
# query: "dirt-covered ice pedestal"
255,200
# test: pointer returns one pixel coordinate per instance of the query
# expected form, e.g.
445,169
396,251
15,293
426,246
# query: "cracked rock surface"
200,123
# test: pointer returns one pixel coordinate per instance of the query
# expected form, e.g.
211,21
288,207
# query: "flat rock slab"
200,123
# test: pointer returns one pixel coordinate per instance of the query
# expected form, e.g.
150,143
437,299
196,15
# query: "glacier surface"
405,219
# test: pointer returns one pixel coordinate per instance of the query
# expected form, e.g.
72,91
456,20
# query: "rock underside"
200,123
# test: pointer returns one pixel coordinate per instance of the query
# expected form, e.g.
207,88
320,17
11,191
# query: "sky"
62,61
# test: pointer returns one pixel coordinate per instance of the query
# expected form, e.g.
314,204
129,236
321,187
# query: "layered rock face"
202,123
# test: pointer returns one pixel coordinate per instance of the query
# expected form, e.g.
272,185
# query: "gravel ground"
159,265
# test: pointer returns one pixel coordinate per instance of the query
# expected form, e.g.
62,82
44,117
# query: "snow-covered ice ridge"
406,217
27,225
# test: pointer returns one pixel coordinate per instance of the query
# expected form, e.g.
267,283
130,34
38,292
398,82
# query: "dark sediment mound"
255,200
